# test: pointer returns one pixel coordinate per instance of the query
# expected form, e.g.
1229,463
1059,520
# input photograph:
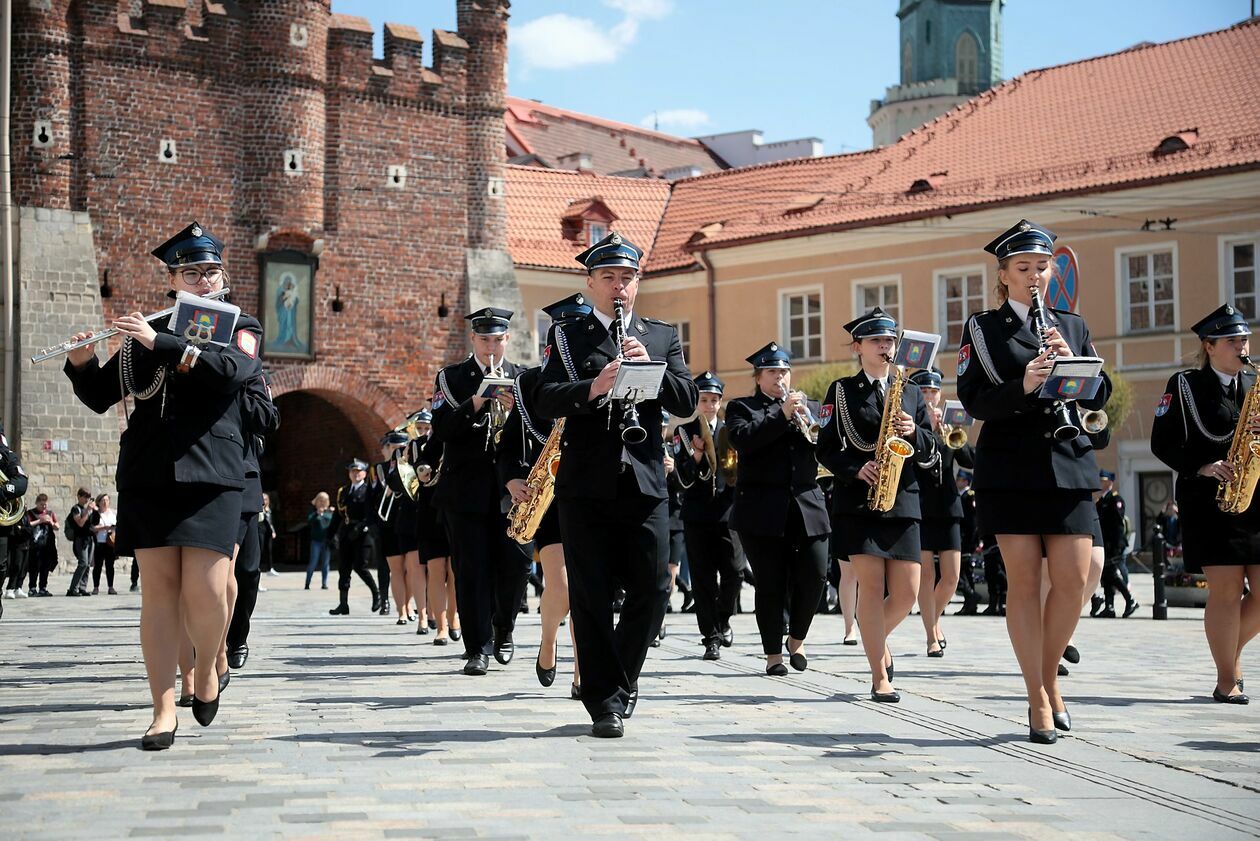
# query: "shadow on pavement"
1229,747
51,750
399,744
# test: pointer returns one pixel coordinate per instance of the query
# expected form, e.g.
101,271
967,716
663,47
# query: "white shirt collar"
355,485
873,380
1225,379
1020,309
606,320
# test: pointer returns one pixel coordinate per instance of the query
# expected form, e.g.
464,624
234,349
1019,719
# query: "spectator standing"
319,520
103,553
79,530
42,549
267,535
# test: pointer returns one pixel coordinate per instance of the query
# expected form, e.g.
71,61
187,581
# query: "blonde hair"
321,497
1201,358
999,288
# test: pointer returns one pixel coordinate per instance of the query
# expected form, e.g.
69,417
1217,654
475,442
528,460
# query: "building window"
542,325
684,338
1240,276
802,324
882,294
595,231
1149,286
966,61
960,296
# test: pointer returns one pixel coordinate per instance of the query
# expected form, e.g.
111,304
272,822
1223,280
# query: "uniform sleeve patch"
1165,403
546,355
825,413
439,400
248,343
964,359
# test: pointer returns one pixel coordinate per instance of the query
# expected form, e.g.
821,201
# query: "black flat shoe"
893,697
944,643
401,621
476,665
1062,721
1130,609
224,680
799,661
1071,654
205,711
432,624
575,692
441,641
1221,698
728,637
184,701
376,603
631,703
1062,671
158,741
547,676
237,657
608,726
851,641
777,670
456,633
713,650
939,652
422,630
1041,737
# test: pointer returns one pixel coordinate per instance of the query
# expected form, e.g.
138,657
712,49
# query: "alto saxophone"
891,450
1234,497
524,517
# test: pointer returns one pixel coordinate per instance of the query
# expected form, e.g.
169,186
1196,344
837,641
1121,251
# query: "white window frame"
1225,270
785,334
1122,287
684,342
542,324
882,280
938,296
590,231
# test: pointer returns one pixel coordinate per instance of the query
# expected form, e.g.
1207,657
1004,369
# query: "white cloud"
562,42
684,119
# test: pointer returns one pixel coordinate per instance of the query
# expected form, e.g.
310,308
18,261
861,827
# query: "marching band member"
677,540
490,567
406,576
706,513
181,470
356,537
425,454
1033,492
524,435
940,530
1195,426
779,512
883,547
610,488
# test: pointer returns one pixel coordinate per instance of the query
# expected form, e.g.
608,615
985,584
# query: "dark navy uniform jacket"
259,418
16,481
355,509
591,448
938,487
706,497
1016,450
1111,517
197,435
776,466
524,433
847,441
470,481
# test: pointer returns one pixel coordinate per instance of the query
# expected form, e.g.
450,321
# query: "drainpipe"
6,218
710,278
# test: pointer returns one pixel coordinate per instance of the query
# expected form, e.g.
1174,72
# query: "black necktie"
879,393
1232,391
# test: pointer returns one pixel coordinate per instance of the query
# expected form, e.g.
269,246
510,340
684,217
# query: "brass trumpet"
955,436
803,419
1094,422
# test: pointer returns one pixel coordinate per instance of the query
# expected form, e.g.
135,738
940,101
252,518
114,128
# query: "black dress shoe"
1107,612
340,610
893,697
1221,698
850,641
712,650
968,609
1062,721
376,603
237,657
503,648
159,741
575,692
205,711
891,670
939,652
1062,671
1130,608
656,641
728,637
991,610
456,633
441,640
688,605
608,726
422,630
224,680
944,643
663,632
547,676
631,703
777,670
184,701
1095,605
1071,654
432,624
1041,737
401,621
476,665
799,661
383,610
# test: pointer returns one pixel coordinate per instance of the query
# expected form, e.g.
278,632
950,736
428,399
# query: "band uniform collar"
1225,379
606,320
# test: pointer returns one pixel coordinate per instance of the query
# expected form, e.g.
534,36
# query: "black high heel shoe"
224,679
456,633
893,697
159,741
547,676
205,711
1041,737
1062,721
184,701
939,652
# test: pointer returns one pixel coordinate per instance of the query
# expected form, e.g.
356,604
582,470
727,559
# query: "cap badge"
487,313
1229,310
196,230
580,300
1024,226
616,239
708,375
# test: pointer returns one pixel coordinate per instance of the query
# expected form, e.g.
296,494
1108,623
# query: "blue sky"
792,68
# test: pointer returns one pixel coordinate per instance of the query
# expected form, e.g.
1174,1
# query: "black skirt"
1097,532
940,534
894,538
1036,512
1210,537
548,533
195,515
431,532
389,541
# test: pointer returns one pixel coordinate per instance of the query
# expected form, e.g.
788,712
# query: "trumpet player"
882,546
940,530
1034,483
779,510
1207,429
706,515
491,569
611,486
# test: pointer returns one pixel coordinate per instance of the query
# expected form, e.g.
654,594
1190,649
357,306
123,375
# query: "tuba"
11,510
1234,497
524,517
891,450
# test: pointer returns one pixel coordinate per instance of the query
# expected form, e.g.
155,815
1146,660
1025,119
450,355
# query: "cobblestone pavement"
355,728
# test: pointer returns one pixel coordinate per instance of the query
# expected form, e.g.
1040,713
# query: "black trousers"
623,543
791,572
103,556
491,574
1115,576
84,548
248,558
711,556
356,551
995,577
40,561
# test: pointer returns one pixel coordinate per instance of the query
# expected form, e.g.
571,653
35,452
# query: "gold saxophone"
891,450
524,517
1234,497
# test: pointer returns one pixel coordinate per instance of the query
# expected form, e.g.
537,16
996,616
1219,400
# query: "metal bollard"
1160,608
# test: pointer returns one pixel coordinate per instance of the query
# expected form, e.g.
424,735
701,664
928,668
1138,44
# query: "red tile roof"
1088,126
550,133
538,199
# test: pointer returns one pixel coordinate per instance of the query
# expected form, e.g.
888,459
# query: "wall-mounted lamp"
107,291
336,304
443,309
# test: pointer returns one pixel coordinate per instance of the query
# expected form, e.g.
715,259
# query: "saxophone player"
1196,422
882,546
779,510
490,568
1033,490
524,435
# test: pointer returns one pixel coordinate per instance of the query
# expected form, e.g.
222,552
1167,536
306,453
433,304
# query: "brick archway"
372,411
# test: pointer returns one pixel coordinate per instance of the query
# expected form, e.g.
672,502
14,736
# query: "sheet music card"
956,415
1075,378
203,320
494,387
638,381
917,350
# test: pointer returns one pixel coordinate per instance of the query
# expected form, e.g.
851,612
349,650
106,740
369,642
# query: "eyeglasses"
192,277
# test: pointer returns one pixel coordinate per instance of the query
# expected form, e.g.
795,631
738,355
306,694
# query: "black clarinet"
1065,428
632,432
